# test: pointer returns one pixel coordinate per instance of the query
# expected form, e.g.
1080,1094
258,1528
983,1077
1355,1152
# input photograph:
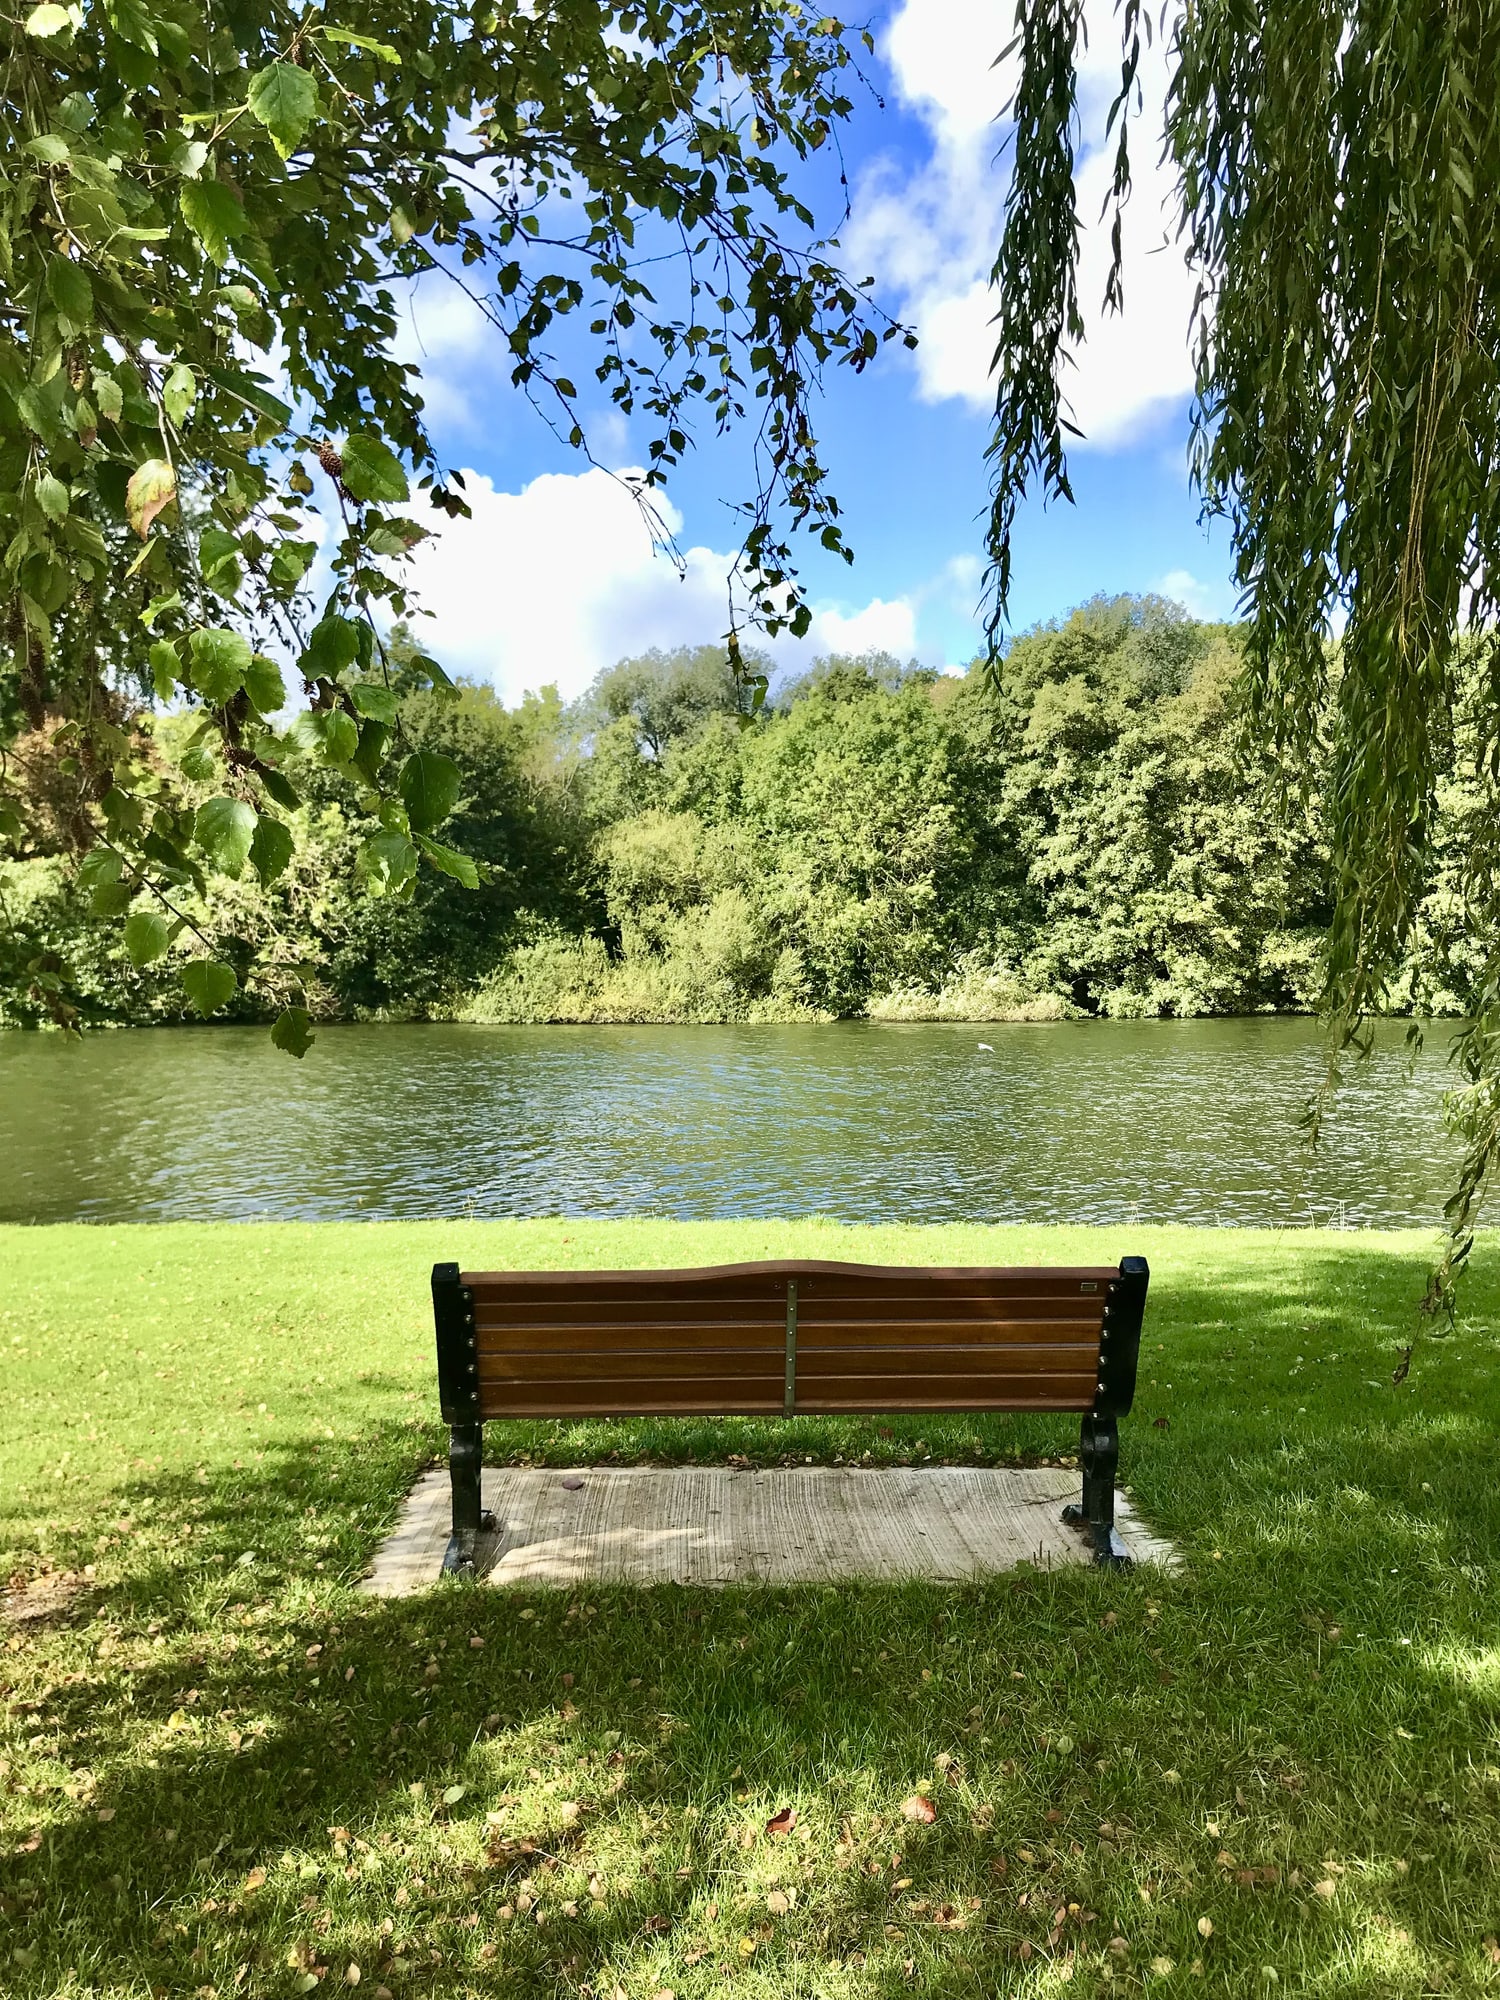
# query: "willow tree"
209,217
1336,162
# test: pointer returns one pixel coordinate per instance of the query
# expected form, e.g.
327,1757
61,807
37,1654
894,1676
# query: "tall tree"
208,217
1336,162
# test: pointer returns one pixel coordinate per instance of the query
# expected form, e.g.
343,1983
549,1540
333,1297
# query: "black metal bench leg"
470,1518
1099,1449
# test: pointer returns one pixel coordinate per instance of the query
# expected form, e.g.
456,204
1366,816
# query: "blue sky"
554,577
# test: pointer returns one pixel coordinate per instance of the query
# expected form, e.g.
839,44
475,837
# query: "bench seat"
799,1337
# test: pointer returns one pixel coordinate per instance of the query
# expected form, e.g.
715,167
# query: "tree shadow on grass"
1290,1741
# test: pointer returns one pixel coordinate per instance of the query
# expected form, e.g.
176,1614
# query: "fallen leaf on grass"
920,1808
1205,1927
1326,1888
783,1821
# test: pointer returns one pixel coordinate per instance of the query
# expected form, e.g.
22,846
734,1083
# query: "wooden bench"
783,1340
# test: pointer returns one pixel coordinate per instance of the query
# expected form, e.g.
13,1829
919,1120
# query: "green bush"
1096,835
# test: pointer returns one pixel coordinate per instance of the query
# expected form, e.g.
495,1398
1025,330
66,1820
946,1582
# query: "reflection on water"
1190,1121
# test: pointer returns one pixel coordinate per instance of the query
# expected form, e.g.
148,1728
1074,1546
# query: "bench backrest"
785,1339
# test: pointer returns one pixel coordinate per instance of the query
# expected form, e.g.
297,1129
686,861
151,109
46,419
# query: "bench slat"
605,1286
948,1305
977,1284
687,1337
814,1336
576,1314
896,1398
1075,1357
620,1343
767,1281
621,1397
706,1362
1016,1358
573,1318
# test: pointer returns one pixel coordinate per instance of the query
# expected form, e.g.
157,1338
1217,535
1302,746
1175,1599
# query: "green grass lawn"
223,1772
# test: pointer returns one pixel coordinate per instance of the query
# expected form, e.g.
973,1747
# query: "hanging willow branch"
1337,166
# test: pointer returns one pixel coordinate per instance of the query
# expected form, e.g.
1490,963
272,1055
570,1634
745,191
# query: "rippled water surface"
1091,1121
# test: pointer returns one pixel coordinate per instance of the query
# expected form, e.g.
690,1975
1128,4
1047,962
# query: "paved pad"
709,1524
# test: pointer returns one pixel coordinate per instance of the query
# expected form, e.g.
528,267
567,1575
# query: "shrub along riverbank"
222,1770
878,840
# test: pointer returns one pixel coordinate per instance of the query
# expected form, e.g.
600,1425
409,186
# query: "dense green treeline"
1098,838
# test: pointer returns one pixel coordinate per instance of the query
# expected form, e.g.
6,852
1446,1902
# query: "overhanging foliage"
1337,161
208,218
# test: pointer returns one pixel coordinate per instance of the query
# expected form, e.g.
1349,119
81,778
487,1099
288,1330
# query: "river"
1160,1121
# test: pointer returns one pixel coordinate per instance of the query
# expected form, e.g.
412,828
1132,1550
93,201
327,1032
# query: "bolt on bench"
788,1339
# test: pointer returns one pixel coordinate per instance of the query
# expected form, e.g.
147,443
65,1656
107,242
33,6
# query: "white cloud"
931,233
1207,600
451,340
561,579
880,627
943,54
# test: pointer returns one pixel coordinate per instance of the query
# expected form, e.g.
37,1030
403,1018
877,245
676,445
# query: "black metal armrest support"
458,1390
1099,1436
